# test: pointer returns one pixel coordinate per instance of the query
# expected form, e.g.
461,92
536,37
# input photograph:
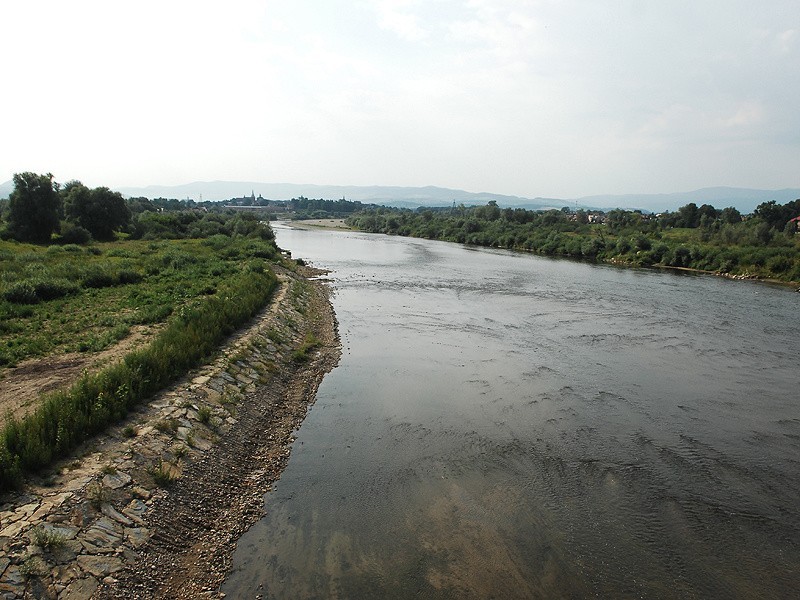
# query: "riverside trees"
763,244
38,204
34,207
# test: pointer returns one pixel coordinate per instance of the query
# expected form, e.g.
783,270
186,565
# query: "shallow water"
504,425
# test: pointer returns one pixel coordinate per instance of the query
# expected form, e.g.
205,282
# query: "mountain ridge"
744,199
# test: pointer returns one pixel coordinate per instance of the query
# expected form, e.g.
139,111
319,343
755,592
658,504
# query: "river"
503,425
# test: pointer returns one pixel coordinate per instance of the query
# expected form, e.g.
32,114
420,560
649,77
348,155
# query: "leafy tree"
688,216
34,207
98,210
730,215
777,215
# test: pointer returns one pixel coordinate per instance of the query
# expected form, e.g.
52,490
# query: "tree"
688,216
730,215
34,207
98,210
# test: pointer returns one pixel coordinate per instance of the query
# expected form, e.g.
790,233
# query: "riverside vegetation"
192,276
763,244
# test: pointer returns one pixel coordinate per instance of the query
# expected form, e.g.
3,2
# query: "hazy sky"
532,98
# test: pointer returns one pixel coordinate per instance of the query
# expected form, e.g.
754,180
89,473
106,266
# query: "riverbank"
319,224
153,509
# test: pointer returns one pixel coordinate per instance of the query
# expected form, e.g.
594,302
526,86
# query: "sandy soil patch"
319,224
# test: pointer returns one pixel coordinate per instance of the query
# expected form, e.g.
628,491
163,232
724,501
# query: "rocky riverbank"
153,509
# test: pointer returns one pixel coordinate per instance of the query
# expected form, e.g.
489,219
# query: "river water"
503,425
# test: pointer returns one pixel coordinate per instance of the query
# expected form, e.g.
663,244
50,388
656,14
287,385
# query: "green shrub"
49,289
21,292
97,277
204,415
75,234
163,474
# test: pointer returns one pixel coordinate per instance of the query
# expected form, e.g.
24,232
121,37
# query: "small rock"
137,535
81,589
141,492
99,566
12,580
116,480
113,513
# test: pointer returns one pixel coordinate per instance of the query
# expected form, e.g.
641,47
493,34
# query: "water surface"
507,426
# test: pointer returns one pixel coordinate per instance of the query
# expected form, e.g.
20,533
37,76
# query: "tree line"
40,210
763,244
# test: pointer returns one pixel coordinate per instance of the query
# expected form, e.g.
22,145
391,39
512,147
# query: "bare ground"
21,386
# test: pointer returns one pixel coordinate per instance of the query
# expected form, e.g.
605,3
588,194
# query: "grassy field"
61,299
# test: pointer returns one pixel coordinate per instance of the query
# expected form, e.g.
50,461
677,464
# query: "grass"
198,323
302,352
77,299
163,474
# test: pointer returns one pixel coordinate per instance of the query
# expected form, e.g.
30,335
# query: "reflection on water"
507,426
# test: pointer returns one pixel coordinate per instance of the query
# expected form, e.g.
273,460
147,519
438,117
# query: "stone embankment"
153,509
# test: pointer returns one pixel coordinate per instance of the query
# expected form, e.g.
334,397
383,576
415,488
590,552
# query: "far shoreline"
308,224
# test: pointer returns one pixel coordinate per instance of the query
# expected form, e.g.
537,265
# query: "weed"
98,495
204,415
47,539
163,474
32,566
180,452
275,336
129,431
302,353
108,470
167,426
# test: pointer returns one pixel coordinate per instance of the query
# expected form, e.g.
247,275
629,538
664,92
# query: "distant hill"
744,199
411,197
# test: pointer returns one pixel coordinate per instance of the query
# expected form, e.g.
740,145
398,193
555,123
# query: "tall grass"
67,418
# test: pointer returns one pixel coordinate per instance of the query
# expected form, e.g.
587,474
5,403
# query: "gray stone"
104,535
14,529
77,483
100,566
12,580
113,513
80,589
4,562
116,480
137,535
65,553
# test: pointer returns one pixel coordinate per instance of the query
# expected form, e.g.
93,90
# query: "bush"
75,234
21,292
50,289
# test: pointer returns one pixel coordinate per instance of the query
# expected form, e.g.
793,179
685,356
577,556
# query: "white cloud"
396,16
541,97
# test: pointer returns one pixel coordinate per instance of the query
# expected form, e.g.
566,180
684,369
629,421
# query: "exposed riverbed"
504,425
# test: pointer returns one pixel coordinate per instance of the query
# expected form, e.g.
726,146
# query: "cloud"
785,41
396,16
